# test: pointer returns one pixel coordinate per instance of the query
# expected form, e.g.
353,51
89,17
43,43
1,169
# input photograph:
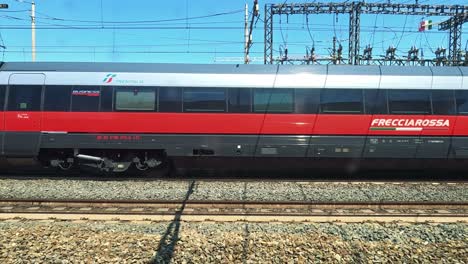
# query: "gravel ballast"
161,242
62,189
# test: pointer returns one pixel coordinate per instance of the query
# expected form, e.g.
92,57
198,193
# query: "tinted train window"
106,99
462,102
135,99
170,99
307,101
239,100
443,102
2,96
85,98
274,100
343,101
375,101
409,101
24,98
204,100
57,98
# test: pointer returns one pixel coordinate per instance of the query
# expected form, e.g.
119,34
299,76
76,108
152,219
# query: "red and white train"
116,116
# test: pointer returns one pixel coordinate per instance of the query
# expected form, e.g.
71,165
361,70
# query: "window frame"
342,112
389,102
184,108
271,90
151,88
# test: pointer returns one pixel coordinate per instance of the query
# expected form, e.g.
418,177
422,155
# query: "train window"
409,101
462,102
85,98
343,101
24,98
106,99
170,99
239,100
375,101
2,97
57,98
135,98
274,100
307,101
443,102
204,99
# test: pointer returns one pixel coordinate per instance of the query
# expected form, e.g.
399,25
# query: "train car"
116,116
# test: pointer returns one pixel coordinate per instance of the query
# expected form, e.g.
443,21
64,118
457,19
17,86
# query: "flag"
425,25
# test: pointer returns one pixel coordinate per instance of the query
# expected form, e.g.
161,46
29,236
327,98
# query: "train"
113,117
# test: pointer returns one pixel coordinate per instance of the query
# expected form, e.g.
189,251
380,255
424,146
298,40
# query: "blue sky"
63,33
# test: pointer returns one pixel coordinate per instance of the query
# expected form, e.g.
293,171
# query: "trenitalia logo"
409,124
109,77
112,78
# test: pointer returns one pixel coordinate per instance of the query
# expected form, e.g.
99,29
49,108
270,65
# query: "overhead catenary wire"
137,26
134,52
24,2
46,16
15,11
75,47
74,27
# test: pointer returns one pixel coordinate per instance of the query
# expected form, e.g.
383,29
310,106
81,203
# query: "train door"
23,116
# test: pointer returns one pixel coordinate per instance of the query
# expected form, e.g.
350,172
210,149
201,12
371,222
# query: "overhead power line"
46,16
76,27
110,25
131,52
15,11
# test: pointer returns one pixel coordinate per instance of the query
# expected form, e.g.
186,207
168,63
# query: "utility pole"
246,35
33,30
249,29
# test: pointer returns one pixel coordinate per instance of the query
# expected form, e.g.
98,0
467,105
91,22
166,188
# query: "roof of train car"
228,68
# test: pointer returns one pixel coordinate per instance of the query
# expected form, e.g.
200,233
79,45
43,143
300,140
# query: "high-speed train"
116,116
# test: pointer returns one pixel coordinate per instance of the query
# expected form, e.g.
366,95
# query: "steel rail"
228,202
191,210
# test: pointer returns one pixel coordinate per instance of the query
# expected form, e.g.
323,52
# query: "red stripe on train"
231,123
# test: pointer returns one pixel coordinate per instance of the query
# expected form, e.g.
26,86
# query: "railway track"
227,211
